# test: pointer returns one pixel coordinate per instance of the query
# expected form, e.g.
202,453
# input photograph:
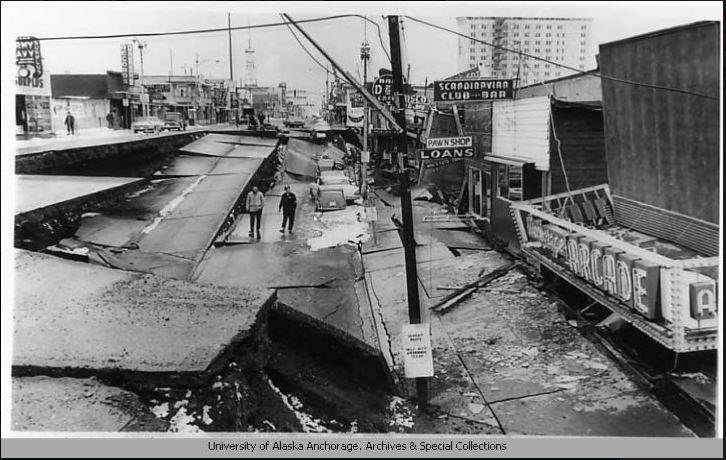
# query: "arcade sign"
473,90
633,281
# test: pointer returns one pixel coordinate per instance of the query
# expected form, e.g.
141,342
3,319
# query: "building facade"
646,244
563,40
90,98
186,94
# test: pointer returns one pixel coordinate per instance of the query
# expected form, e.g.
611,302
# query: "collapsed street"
521,249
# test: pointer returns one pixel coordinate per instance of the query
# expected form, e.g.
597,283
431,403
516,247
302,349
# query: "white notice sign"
417,358
371,214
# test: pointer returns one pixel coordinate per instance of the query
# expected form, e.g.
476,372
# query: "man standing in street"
70,122
255,203
288,204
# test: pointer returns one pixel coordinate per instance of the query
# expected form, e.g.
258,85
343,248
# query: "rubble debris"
457,296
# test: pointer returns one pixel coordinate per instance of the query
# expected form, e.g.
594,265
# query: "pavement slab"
32,190
507,351
77,405
98,318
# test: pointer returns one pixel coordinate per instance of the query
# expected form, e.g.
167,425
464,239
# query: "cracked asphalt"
506,360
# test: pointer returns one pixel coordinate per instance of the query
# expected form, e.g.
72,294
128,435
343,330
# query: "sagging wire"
557,64
303,46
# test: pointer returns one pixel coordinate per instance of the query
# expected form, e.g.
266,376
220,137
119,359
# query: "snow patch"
308,422
161,411
205,415
345,227
181,422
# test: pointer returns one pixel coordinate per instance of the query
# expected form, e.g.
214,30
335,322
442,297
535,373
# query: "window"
538,27
509,183
559,27
549,27
514,178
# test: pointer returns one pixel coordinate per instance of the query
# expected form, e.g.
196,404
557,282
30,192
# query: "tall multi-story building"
562,40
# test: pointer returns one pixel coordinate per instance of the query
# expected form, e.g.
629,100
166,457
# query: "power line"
303,46
192,32
538,58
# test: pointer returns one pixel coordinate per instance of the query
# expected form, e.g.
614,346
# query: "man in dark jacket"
288,204
70,123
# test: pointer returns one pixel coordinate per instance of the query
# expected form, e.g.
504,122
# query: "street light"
144,104
327,83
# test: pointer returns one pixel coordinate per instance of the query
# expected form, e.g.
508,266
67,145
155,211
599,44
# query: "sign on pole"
417,357
473,90
442,151
383,89
371,214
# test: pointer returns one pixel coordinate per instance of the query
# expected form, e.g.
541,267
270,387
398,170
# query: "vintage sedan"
330,200
148,125
337,180
174,121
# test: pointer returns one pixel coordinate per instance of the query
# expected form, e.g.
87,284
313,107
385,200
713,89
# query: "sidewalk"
506,361
85,138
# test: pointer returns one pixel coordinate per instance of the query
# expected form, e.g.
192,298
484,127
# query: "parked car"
330,200
148,125
335,180
174,121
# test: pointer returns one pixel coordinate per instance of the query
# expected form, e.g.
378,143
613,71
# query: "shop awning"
511,161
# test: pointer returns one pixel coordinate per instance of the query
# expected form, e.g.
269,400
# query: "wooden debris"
462,293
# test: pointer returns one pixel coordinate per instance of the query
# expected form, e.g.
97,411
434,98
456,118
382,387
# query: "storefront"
540,145
32,90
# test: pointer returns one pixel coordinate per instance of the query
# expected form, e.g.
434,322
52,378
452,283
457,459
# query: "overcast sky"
432,53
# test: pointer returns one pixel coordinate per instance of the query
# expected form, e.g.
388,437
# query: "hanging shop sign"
473,90
441,151
633,281
383,89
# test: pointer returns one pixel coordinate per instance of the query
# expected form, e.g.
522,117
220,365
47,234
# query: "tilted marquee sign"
473,90
634,281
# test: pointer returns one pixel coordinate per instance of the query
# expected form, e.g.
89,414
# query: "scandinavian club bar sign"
441,151
473,90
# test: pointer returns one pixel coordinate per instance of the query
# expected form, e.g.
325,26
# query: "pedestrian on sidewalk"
70,123
109,119
288,204
255,203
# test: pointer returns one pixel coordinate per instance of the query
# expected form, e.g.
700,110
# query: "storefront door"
479,192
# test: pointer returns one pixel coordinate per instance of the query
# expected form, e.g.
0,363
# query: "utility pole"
409,245
144,104
229,34
365,55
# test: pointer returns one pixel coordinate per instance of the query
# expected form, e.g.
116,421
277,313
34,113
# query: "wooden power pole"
409,245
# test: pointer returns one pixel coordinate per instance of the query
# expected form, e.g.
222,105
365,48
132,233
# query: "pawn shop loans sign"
473,90
441,151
